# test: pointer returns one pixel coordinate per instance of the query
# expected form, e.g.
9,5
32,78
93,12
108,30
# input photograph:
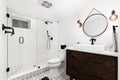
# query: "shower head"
46,22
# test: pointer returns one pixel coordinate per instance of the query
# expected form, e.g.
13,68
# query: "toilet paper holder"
63,46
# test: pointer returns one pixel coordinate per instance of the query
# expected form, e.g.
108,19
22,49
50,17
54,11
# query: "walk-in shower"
21,47
31,46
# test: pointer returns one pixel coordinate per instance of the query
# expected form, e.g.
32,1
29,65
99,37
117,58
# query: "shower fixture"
48,40
50,21
45,3
6,27
46,22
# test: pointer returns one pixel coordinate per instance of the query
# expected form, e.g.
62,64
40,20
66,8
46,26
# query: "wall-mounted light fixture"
113,16
79,24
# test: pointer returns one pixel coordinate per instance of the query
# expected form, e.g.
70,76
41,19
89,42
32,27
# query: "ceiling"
59,10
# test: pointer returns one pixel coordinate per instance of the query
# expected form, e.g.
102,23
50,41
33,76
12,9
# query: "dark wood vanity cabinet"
88,66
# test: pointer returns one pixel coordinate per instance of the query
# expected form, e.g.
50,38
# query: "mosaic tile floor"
38,75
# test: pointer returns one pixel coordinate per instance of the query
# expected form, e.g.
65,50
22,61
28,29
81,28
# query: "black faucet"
92,41
6,27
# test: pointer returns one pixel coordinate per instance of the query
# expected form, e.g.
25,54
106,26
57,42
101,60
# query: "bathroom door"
21,48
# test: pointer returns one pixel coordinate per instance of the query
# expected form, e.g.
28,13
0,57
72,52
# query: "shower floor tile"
38,75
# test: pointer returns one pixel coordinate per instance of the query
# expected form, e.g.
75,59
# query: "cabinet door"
105,61
104,67
91,66
103,74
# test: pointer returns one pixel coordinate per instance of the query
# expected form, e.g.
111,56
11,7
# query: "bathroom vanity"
90,66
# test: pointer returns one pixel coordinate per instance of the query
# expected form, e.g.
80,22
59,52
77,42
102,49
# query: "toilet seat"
54,60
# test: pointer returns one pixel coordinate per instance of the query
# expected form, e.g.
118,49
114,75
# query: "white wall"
3,57
44,54
70,34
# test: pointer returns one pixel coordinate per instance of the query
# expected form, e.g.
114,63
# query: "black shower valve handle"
7,32
3,27
6,27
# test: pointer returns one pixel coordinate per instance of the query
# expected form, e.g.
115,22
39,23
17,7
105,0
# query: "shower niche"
20,23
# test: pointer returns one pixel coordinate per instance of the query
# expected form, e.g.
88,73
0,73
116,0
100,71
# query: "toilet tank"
62,54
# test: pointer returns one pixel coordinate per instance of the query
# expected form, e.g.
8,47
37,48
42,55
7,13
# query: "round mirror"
95,25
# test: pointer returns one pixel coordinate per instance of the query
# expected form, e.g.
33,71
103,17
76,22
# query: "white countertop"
108,53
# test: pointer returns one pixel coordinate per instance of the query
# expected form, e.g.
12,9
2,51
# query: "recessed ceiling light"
45,3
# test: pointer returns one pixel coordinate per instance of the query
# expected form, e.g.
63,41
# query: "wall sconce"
113,16
79,24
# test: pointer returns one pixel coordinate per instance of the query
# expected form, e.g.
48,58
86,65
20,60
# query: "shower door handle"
21,40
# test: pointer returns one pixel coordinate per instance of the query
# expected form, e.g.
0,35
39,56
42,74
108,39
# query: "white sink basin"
89,48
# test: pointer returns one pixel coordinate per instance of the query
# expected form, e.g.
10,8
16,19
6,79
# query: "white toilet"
54,64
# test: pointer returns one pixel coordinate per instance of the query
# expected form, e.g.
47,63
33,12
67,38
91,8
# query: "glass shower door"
21,49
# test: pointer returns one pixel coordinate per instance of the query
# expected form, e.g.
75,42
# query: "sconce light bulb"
113,16
79,24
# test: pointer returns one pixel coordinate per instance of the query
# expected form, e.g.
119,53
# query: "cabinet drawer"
75,73
76,56
107,62
102,75
75,62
